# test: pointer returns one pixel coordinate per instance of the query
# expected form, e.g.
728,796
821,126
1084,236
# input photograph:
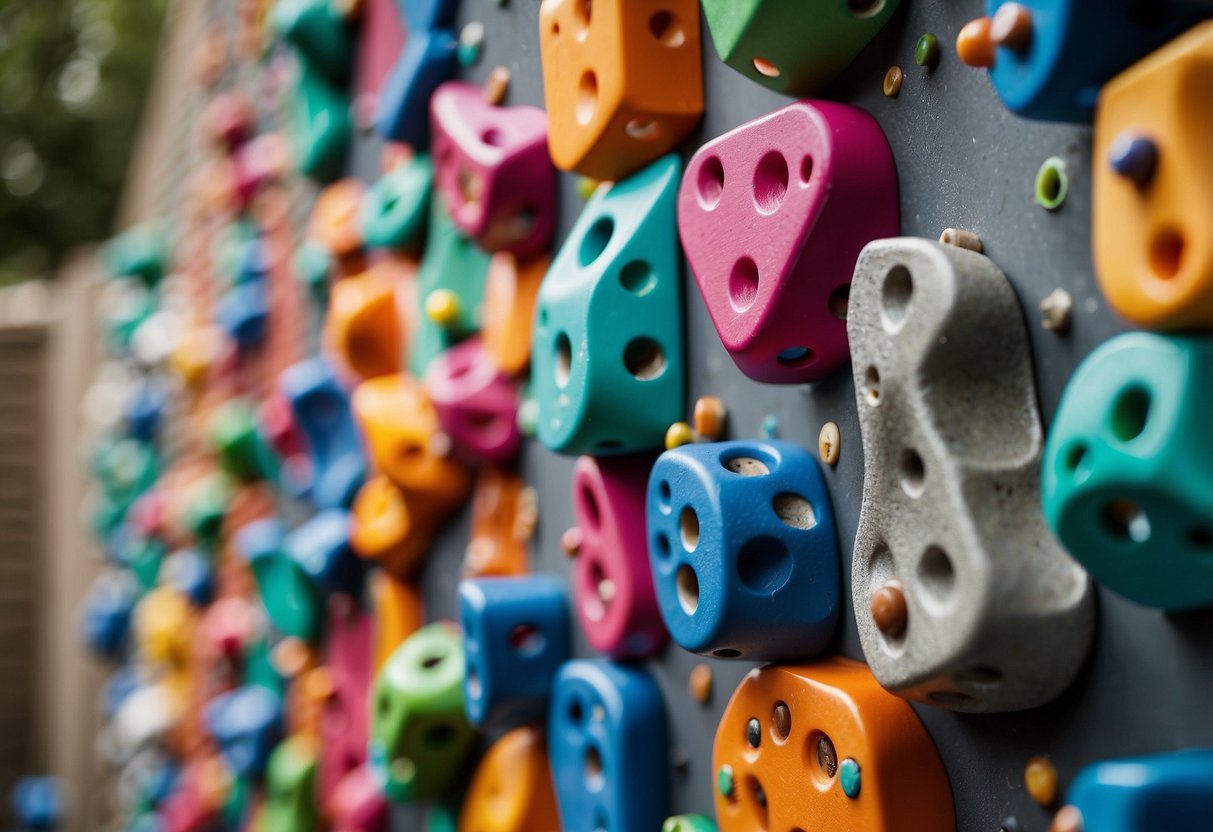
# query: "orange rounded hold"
334,221
363,326
973,44
512,788
1040,779
384,530
496,547
398,614
509,309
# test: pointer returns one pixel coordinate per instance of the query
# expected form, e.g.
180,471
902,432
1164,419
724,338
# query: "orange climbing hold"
502,526
512,788
363,326
509,309
974,44
399,613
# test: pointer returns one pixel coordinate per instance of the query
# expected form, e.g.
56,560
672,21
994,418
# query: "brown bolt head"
889,609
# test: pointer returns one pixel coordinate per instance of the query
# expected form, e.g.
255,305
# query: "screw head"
753,733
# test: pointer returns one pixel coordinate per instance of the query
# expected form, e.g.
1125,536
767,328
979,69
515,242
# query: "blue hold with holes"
1141,794
429,58
515,637
1127,476
246,724
607,745
322,411
607,361
744,550
1076,46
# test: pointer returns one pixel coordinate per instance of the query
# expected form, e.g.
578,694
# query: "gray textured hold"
1000,617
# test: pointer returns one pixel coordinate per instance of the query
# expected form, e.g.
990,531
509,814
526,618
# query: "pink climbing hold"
477,404
773,216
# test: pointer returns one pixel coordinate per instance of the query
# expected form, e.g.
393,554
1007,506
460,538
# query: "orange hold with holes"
512,788
386,530
606,116
334,223
1152,180
509,309
824,746
398,612
363,326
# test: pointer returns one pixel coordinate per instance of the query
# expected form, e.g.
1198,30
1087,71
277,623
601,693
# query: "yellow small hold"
1040,778
586,186
442,307
679,433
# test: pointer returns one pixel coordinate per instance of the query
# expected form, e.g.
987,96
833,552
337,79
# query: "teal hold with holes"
607,352
1127,483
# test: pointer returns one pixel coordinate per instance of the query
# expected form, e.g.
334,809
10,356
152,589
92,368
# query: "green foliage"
73,77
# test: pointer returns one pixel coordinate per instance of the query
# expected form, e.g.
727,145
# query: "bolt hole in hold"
764,564
439,735
638,277
743,284
564,360
711,183
1130,412
688,528
492,137
432,661
758,797
747,466
686,585
840,301
794,510
583,10
587,97
642,129
663,545
644,358
664,495
667,29
1052,183
1200,536
912,473
595,241
980,675
823,756
766,68
1166,253
770,182
576,711
589,506
593,769
806,170
951,698
895,298
1125,520
726,653
871,391
1074,457
781,721
527,640
795,357
865,8
936,575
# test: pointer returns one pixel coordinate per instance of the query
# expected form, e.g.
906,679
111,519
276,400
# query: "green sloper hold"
287,592
319,125
239,799
688,823
395,209
797,47
420,737
290,788
144,559
121,323
1127,475
125,469
237,441
259,668
141,252
206,505
318,30
607,365
454,263
311,265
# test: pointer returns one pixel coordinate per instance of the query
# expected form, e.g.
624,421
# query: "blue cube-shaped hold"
515,637
322,410
244,313
321,548
429,59
1076,46
246,724
607,746
1143,794
744,550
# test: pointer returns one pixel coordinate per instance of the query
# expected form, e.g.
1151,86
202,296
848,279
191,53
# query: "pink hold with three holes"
772,216
477,404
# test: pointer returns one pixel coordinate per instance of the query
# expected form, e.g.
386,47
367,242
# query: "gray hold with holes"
963,598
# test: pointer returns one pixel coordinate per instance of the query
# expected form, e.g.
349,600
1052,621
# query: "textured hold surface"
516,635
608,118
492,169
512,788
743,550
1000,618
1153,240
420,737
612,581
772,216
832,712
477,404
1127,478
607,743
1140,794
1077,46
607,351
793,46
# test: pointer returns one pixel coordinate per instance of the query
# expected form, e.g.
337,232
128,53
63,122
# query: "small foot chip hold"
1068,819
893,80
1056,311
1052,183
708,418
570,541
700,683
471,42
827,443
677,434
961,239
926,52
1040,779
497,85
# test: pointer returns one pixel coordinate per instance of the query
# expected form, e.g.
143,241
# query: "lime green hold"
237,441
395,209
796,47
926,51
1127,476
689,823
420,737
142,252
290,787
